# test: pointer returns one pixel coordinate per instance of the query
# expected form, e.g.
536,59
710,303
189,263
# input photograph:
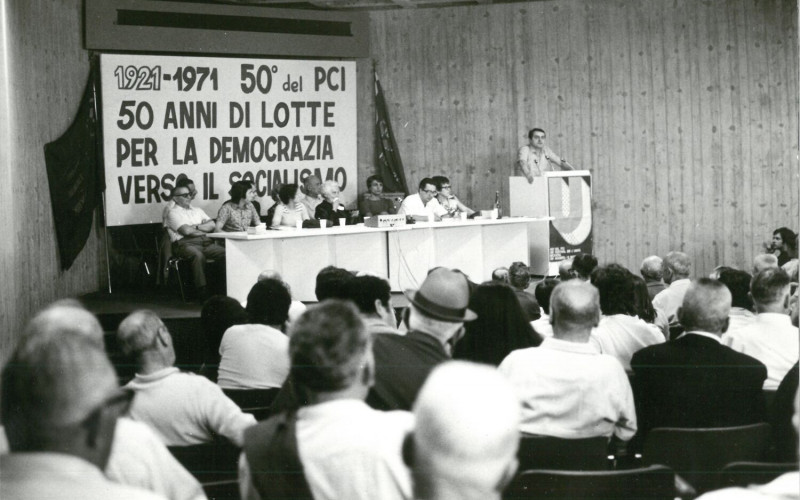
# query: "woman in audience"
644,306
501,326
217,315
288,211
447,199
782,239
372,203
238,213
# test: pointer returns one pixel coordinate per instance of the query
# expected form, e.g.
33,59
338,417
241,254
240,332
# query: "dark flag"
390,166
75,178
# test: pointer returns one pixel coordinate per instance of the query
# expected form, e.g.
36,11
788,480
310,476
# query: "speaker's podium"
564,201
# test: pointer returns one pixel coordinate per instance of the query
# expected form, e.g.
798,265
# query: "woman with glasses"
238,213
448,200
372,203
288,211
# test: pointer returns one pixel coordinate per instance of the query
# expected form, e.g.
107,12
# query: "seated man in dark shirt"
331,208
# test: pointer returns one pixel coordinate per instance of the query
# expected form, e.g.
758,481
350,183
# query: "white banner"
220,120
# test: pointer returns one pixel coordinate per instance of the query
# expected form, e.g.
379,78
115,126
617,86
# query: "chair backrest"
546,452
654,482
209,462
254,401
698,455
744,474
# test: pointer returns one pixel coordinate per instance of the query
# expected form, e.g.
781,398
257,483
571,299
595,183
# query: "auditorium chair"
698,455
744,474
654,482
547,452
167,263
209,462
257,402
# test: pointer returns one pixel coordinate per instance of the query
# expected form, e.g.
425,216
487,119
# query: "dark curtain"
390,165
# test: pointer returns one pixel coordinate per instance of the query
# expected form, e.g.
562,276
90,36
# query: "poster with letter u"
218,121
570,206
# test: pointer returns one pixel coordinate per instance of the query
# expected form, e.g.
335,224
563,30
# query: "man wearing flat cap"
437,313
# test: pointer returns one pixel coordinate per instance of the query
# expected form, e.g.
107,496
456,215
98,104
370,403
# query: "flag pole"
103,193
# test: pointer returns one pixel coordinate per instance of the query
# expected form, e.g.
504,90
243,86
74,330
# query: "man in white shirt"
536,157
256,355
182,408
60,407
423,206
770,337
311,194
676,269
187,227
465,440
345,449
567,388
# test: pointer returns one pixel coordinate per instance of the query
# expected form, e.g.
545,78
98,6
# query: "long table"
403,255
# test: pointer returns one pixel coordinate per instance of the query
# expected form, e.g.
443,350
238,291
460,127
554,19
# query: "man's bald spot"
575,303
66,316
706,306
138,330
310,178
764,261
269,274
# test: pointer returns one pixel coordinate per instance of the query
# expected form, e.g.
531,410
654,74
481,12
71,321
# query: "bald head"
143,335
466,434
651,268
269,274
574,310
706,307
65,316
764,261
676,266
565,270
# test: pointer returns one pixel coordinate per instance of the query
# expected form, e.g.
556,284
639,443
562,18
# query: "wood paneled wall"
685,112
43,80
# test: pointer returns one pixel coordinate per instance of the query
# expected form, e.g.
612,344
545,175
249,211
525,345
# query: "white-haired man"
436,319
770,337
466,435
311,196
60,407
651,271
676,268
568,389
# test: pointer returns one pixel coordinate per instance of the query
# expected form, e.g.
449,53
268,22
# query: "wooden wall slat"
685,111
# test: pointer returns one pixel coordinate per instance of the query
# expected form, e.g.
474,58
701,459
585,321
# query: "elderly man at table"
437,313
465,439
311,194
423,206
567,388
183,408
188,227
770,337
60,408
335,447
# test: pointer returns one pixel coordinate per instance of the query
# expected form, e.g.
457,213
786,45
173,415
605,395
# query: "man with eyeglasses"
180,181
536,157
187,227
423,206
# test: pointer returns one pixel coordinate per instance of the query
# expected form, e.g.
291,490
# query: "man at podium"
536,157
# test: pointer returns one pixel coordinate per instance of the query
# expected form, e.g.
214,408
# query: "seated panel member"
187,227
447,199
181,181
536,157
371,202
331,208
423,206
238,213
310,195
289,210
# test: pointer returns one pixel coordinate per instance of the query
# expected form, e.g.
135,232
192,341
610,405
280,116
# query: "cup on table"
323,223
343,221
463,215
298,224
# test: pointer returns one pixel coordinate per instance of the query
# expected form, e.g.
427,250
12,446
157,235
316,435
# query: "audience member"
783,432
217,315
138,457
60,406
373,297
423,205
311,196
583,264
565,271
567,388
770,337
791,267
447,199
644,306
288,212
183,408
256,355
465,438
675,269
188,227
764,261
782,239
437,313
519,277
331,209
738,282
694,380
620,332
500,274
651,271
336,447
542,293
238,213
332,283
501,326
372,202
297,308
